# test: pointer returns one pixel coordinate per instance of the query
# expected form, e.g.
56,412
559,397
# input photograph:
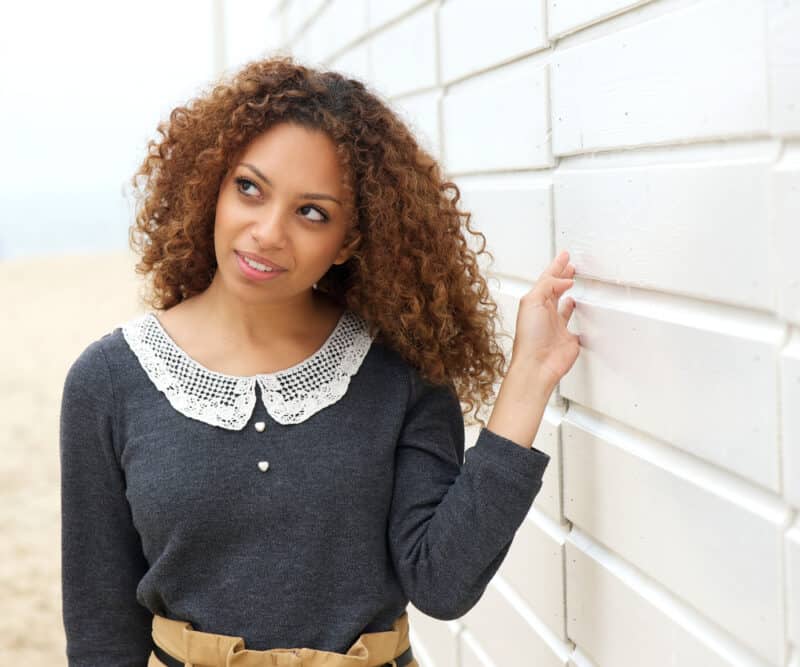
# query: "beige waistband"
196,648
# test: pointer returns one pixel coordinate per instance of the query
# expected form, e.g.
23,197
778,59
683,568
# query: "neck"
259,324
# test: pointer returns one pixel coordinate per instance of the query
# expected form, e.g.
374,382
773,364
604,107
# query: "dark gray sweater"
366,505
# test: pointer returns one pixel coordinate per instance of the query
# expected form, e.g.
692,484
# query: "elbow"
443,597
445,608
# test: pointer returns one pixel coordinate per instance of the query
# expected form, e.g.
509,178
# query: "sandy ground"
53,308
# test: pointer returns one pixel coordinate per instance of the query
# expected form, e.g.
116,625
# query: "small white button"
263,465
260,426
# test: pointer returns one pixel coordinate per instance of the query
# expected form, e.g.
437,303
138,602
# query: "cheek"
334,246
226,227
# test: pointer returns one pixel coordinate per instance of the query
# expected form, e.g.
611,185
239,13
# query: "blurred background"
656,140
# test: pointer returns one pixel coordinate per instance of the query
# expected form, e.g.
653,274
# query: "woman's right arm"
101,552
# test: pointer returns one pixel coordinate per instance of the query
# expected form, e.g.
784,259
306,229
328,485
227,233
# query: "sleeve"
101,553
451,524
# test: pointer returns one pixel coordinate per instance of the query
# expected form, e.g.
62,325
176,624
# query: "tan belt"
206,649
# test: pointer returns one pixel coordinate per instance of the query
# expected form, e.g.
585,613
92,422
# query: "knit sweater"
299,508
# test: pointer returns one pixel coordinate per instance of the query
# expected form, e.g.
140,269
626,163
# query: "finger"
557,266
560,262
566,310
556,286
550,288
568,272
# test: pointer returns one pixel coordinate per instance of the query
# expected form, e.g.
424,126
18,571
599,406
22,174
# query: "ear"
348,247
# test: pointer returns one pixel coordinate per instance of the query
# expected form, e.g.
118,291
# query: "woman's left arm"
453,516
544,351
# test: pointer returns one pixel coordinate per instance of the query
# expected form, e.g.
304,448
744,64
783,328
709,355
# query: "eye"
241,182
320,211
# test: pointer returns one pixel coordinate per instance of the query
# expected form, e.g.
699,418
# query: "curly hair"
412,277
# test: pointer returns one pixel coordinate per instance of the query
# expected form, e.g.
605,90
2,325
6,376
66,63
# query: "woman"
271,461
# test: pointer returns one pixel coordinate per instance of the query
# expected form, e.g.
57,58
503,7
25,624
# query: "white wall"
659,142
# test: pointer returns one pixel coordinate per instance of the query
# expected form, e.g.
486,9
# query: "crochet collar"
290,396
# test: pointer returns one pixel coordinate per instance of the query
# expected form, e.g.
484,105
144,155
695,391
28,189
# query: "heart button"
263,465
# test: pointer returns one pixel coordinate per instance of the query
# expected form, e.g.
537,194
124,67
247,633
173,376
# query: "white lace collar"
290,396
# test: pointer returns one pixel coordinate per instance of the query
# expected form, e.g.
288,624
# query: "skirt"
179,645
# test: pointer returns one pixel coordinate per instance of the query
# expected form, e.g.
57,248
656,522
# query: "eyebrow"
305,195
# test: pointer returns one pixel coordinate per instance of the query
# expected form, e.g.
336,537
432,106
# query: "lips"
262,260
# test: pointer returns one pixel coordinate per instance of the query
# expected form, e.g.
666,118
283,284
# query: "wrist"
520,404
533,376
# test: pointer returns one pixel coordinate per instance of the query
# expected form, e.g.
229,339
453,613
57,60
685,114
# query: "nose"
269,229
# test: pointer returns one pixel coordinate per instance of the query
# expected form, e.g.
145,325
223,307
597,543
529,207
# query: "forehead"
290,154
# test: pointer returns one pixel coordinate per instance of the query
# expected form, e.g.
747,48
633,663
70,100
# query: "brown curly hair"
413,277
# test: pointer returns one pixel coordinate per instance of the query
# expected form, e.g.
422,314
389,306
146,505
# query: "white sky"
85,83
